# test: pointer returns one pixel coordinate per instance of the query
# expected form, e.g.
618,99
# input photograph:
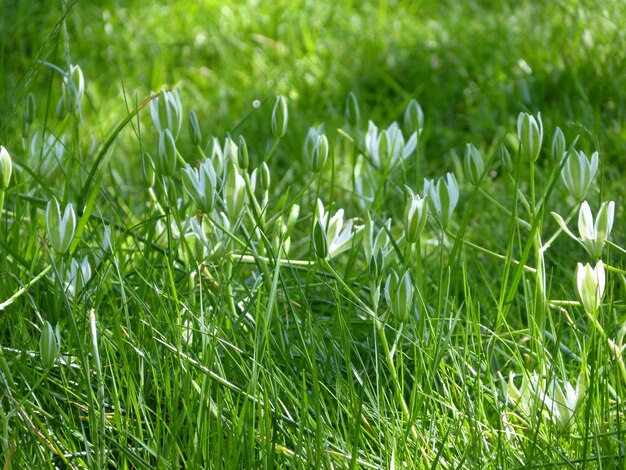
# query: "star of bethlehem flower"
590,283
593,233
578,173
530,135
387,147
443,197
415,216
201,185
338,236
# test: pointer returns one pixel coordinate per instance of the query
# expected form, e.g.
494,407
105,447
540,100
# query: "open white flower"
338,235
387,147
593,233
201,185
563,400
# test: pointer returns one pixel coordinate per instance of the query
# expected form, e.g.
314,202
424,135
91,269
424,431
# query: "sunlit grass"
281,306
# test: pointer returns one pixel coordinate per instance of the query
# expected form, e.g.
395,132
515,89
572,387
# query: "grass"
267,331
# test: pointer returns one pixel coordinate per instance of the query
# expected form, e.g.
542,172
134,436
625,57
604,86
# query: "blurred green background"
472,65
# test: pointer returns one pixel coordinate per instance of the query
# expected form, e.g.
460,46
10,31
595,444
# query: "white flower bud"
530,135
473,164
6,168
280,117
578,173
590,283
413,117
49,344
60,228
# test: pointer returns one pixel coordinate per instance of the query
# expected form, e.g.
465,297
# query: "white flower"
234,192
45,155
590,283
6,167
578,173
414,117
77,276
167,112
593,233
473,164
60,228
415,216
442,197
377,239
201,185
339,236
387,147
530,135
564,401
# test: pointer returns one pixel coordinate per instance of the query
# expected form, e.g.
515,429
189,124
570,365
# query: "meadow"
301,234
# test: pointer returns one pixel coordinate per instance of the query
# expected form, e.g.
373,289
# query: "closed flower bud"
415,216
73,89
165,164
383,150
147,165
399,295
234,192
230,150
195,134
310,141
320,153
578,173
352,113
443,198
530,135
30,109
61,109
293,218
320,242
60,228
473,164
377,265
167,112
265,176
413,117
6,168
558,145
280,117
243,160
590,283
505,158
49,344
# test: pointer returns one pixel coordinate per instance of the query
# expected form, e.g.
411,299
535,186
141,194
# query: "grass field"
312,234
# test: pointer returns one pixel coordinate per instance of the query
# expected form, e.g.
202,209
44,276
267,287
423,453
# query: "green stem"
251,259
492,253
380,330
494,201
21,292
615,349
